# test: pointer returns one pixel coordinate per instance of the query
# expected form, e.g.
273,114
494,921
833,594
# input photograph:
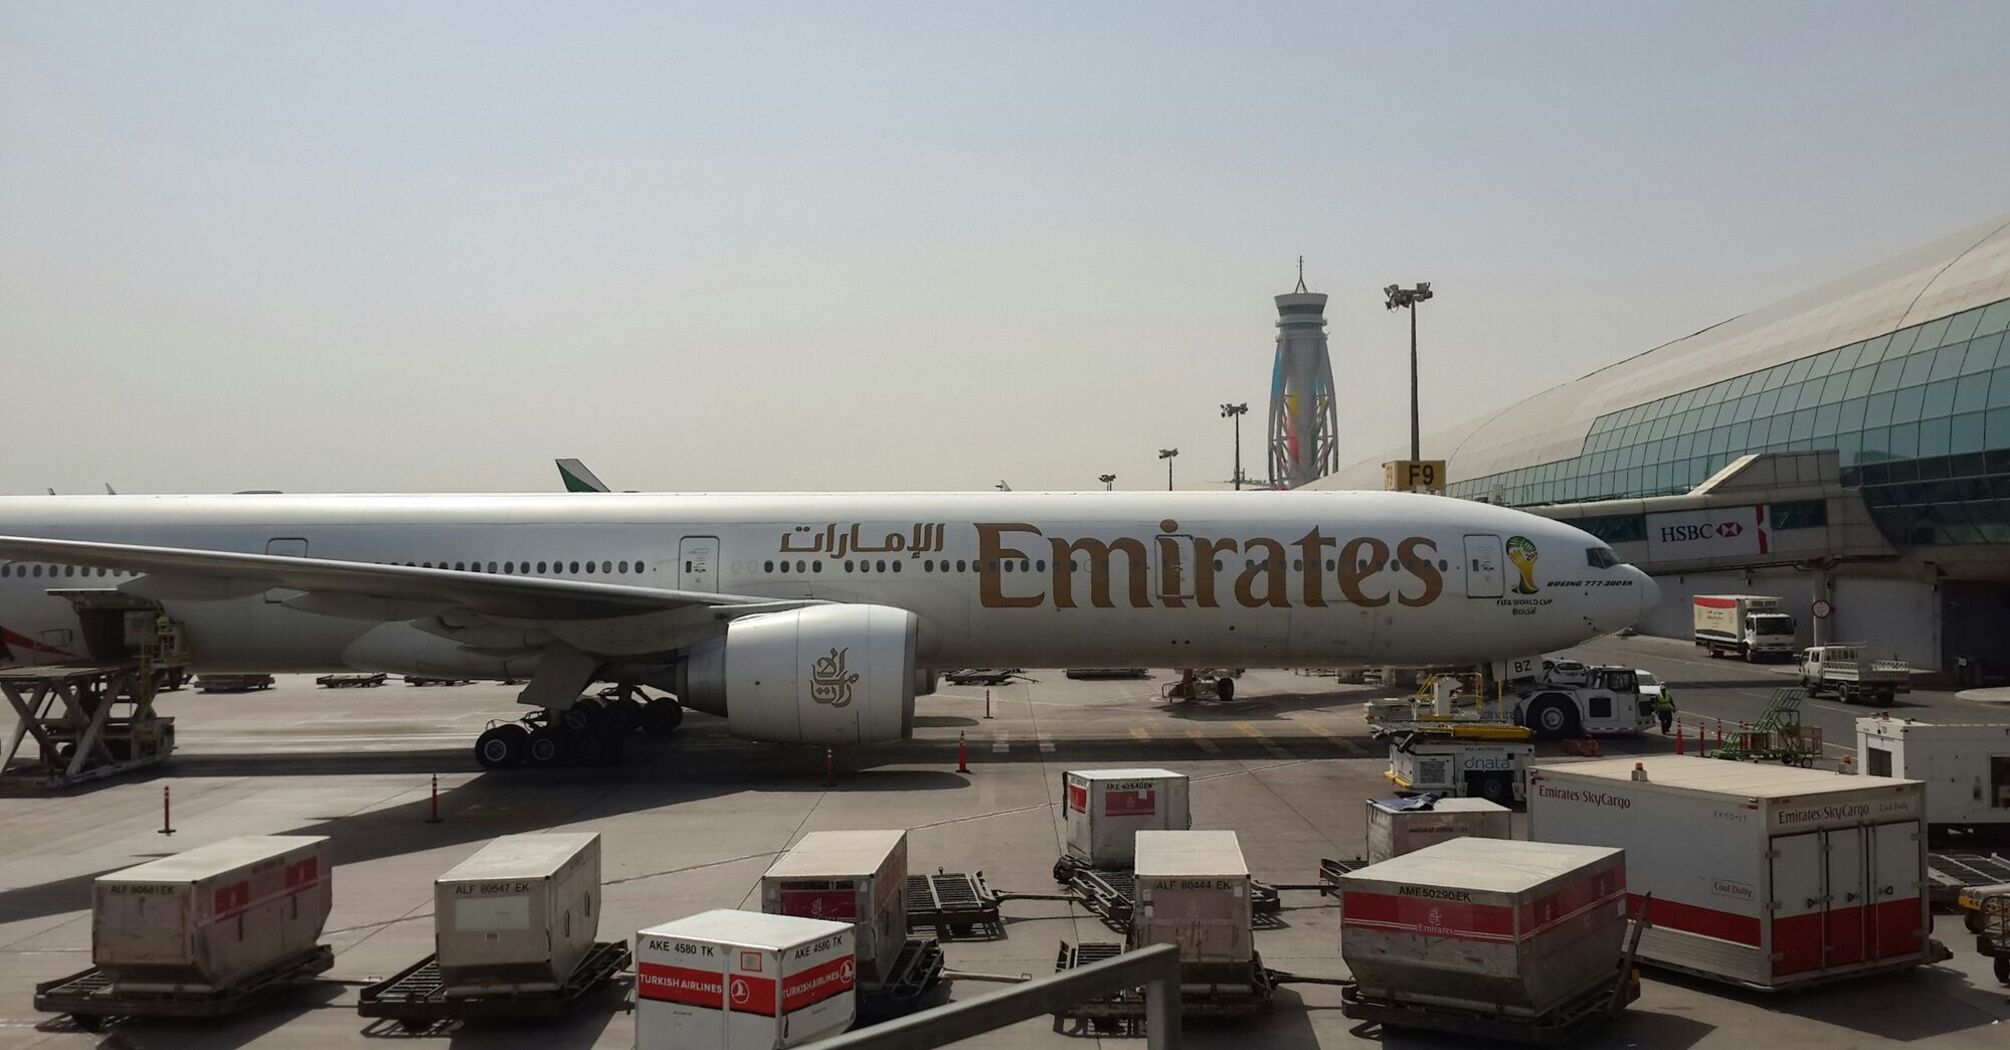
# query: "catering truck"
1750,626
1768,877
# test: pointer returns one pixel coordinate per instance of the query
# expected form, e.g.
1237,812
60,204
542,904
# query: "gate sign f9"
1414,475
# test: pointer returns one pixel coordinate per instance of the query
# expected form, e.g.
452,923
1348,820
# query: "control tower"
1304,423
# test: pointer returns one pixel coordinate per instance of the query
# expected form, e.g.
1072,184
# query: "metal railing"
1156,967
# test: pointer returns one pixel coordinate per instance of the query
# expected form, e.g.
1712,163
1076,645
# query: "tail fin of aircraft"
579,479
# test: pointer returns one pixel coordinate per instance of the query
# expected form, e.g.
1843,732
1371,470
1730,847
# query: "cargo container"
1193,891
1106,808
1404,825
1506,928
205,920
859,877
1966,768
1765,876
742,980
519,915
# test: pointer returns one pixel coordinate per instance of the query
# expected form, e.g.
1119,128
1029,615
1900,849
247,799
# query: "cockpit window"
1600,557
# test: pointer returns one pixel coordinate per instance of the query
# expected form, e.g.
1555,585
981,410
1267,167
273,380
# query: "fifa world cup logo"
1521,551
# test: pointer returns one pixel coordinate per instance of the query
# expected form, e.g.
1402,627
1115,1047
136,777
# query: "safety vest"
1664,702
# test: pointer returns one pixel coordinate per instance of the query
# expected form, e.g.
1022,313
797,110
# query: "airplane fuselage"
996,579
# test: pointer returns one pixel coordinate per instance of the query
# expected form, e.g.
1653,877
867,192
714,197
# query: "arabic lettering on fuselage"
1179,570
923,538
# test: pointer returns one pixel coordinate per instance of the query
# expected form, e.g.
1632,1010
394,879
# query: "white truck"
1848,673
1567,699
1750,626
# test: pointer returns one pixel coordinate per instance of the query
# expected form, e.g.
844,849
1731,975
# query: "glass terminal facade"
1920,417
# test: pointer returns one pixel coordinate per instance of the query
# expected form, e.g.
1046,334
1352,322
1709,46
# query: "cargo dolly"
1111,896
90,999
426,680
1950,874
416,997
1123,1014
960,906
351,681
1564,1024
915,972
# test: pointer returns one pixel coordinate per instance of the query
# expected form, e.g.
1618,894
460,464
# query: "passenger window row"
525,568
31,570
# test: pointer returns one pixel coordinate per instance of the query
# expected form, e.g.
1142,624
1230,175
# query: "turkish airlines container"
1402,825
1765,876
208,918
859,877
742,980
1966,767
519,915
1193,891
1106,808
1503,927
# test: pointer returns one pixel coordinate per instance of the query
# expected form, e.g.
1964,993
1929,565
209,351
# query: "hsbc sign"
1725,532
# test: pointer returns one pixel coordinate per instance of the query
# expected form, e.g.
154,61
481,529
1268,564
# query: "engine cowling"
826,674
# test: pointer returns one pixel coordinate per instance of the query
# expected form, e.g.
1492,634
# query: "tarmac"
691,822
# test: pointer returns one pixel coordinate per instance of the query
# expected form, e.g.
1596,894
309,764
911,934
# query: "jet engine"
825,674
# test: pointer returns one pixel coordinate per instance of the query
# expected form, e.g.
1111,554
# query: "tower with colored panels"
1304,422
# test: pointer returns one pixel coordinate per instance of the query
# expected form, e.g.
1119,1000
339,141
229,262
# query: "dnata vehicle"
1750,626
810,618
1848,673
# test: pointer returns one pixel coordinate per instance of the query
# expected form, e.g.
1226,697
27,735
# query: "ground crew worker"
1664,708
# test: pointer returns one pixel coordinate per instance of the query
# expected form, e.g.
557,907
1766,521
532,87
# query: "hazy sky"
410,246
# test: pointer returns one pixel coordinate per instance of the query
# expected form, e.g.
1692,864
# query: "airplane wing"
398,586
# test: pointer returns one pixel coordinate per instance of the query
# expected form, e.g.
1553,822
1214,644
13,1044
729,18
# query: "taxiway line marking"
1268,744
1201,739
1001,743
1141,733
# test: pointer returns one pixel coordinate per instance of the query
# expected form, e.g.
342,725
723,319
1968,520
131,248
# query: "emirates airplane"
811,618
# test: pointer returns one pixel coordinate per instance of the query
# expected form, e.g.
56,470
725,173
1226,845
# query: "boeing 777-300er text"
812,618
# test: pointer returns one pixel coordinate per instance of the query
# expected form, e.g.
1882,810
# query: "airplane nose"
1650,592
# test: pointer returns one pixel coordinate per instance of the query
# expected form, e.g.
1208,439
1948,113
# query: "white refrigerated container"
1965,766
859,877
1500,927
742,980
1762,875
207,918
519,915
1106,808
1397,825
1193,891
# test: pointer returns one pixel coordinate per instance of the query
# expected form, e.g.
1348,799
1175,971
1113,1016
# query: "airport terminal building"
1849,445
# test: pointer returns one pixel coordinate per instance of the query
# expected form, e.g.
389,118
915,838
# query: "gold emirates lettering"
1187,574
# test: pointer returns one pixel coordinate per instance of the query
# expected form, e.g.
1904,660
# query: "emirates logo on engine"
829,682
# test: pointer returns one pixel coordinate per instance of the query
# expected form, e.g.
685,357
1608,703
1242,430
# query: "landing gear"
662,716
503,746
590,733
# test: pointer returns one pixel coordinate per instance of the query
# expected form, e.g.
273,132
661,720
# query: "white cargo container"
1765,876
1106,808
742,980
1515,929
1966,768
1398,825
206,919
1193,891
519,915
859,877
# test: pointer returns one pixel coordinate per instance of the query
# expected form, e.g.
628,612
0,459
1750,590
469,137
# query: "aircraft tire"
546,747
1224,688
585,715
622,715
502,747
662,716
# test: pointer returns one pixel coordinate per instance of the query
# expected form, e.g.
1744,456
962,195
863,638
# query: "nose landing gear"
589,733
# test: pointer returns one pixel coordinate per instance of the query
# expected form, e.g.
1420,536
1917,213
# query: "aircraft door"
1484,578
698,563
284,547
1173,571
